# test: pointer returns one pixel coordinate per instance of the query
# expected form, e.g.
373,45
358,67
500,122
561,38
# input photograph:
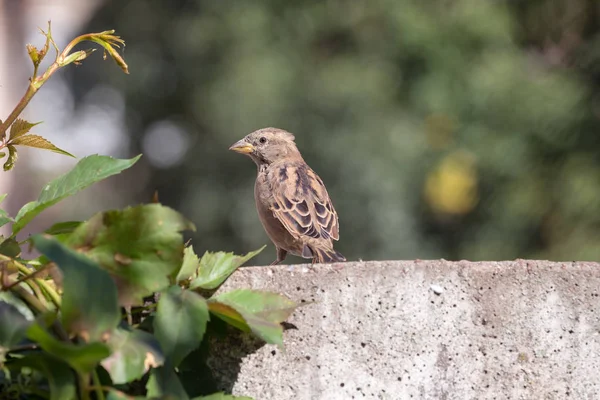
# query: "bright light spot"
97,128
165,144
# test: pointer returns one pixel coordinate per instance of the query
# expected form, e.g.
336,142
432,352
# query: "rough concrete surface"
423,330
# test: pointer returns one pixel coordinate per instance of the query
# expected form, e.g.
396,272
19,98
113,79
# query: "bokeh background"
462,129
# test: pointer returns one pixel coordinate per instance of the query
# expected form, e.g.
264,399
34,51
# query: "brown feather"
292,201
303,208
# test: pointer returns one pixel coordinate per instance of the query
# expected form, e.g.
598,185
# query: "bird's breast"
278,234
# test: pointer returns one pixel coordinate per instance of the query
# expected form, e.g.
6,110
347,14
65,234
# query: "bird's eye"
263,140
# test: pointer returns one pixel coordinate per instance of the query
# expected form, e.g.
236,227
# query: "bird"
292,202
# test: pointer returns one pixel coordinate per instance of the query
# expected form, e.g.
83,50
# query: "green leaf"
118,395
39,143
12,158
134,352
61,228
89,304
10,298
229,315
87,171
19,128
268,305
140,246
83,358
222,396
215,268
180,322
61,378
164,382
75,57
189,264
12,329
4,218
259,312
109,42
10,248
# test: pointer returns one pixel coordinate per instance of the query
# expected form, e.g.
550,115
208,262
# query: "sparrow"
292,202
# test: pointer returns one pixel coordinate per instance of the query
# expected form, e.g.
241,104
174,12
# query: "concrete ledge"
424,330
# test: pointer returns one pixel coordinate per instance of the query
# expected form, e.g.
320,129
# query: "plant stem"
24,347
97,387
30,299
84,393
22,269
31,90
50,291
36,82
38,292
36,304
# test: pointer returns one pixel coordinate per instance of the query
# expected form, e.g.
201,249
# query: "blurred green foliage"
456,129
62,313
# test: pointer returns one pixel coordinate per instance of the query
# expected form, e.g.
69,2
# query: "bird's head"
267,145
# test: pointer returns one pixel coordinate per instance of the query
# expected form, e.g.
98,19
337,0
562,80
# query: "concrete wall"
424,330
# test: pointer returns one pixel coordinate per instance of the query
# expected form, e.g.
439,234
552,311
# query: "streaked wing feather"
301,202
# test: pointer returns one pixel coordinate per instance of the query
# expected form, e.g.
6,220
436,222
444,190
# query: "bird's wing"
301,202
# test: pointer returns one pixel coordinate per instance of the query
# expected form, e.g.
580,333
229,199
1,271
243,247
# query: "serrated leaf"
12,158
134,352
19,128
39,143
189,264
229,315
88,170
89,304
180,322
215,268
83,357
271,306
268,331
262,312
141,247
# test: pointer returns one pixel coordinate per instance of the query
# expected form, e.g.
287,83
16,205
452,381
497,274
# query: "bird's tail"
326,255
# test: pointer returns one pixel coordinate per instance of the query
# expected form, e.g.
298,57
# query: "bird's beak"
242,147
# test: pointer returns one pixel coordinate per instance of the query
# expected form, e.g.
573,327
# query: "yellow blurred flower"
451,188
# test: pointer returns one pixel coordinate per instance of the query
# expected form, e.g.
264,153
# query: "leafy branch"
65,308
63,332
19,128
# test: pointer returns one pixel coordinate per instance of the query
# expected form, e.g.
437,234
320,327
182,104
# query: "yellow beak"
242,147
